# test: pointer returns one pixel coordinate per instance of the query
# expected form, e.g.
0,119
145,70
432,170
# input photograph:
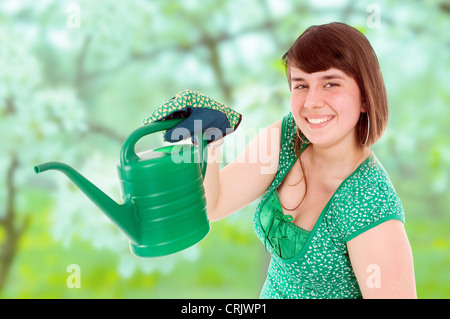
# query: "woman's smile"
318,121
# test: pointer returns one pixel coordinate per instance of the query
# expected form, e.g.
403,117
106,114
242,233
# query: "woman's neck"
340,159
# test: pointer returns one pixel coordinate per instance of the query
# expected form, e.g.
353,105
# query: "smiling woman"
330,212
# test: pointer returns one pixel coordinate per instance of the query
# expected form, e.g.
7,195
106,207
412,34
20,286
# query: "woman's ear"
363,106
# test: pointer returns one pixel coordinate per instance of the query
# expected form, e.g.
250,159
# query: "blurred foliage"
78,76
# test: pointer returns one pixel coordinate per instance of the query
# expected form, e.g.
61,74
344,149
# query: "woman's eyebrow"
332,76
325,77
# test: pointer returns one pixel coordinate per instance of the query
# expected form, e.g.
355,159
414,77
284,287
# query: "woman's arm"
246,178
382,261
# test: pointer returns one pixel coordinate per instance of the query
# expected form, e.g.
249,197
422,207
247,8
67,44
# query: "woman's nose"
313,99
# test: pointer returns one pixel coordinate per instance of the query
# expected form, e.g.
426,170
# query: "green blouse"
316,263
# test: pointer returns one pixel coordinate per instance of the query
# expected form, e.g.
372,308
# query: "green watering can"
164,205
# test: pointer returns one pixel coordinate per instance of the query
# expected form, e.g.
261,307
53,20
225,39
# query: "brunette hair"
338,45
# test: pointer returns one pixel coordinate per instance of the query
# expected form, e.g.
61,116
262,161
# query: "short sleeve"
368,206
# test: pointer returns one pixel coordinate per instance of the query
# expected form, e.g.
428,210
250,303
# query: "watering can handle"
128,154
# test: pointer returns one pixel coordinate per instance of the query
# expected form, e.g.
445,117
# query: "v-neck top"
316,263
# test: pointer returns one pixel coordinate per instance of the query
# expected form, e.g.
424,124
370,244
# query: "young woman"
329,216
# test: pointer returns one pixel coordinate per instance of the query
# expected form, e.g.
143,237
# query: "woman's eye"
301,86
331,84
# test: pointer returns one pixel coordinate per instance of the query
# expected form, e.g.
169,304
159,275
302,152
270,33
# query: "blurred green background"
78,76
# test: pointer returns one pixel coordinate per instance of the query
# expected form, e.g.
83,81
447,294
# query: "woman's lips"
318,121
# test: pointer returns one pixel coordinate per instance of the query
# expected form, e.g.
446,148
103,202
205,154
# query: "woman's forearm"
211,182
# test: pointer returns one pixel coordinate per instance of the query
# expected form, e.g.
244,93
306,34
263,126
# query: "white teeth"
318,121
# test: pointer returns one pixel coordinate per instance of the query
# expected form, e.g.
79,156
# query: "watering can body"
166,186
163,208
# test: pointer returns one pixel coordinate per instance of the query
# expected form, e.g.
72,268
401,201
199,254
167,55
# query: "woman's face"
326,105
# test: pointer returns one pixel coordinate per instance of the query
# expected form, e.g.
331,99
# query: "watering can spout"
124,216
